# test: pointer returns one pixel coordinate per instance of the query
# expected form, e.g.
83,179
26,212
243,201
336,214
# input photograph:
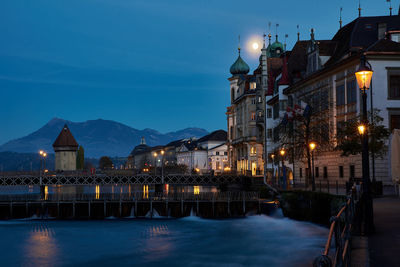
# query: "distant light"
255,46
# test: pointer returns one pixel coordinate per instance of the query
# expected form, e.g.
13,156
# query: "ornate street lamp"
364,76
155,163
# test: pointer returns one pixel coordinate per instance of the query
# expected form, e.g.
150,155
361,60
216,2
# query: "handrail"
341,226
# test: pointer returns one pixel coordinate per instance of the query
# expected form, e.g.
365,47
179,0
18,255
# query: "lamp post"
162,166
42,155
273,167
155,163
364,76
282,152
312,146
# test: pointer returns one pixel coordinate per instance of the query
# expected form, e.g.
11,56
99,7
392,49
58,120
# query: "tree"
80,158
349,140
105,163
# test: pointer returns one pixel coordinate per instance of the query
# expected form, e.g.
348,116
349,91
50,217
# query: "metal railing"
134,196
340,231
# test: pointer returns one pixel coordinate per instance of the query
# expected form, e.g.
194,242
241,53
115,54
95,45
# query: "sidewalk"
384,245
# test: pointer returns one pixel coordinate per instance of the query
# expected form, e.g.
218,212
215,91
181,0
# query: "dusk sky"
148,64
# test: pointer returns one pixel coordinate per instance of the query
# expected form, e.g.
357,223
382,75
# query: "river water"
190,241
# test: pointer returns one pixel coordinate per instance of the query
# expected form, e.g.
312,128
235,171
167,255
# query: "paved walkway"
384,245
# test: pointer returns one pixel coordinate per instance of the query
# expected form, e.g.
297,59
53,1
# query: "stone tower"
65,148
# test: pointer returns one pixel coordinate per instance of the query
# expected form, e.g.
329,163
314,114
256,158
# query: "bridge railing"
340,232
134,196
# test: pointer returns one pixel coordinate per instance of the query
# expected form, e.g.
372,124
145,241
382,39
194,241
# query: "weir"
97,206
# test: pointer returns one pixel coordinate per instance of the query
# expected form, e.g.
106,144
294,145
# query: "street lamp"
282,152
155,163
312,146
162,166
43,156
364,76
273,168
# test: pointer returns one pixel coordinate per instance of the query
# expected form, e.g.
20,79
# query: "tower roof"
65,139
239,67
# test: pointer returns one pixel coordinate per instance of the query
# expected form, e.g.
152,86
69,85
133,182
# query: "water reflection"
157,243
40,248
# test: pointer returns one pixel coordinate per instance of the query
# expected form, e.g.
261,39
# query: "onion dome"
275,49
239,67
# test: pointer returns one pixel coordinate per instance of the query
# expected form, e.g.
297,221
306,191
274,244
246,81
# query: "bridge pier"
135,211
151,208
26,210
89,211
197,208
11,210
105,210
182,208
120,208
73,209
58,209
244,207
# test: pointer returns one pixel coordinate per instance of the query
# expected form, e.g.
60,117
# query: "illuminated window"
253,86
253,116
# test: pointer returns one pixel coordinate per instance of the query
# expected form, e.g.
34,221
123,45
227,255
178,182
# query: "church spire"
359,8
340,20
298,32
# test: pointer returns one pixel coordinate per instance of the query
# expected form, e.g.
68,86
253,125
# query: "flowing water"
191,241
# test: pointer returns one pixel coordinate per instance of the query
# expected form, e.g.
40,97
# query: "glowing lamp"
364,75
361,129
312,145
282,152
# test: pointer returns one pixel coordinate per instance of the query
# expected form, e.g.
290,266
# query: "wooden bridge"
103,179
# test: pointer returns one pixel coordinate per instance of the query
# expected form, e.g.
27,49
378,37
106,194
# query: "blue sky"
146,63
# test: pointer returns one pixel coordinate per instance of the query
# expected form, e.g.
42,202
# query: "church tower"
65,148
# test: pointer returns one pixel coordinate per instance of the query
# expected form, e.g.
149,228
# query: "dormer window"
253,85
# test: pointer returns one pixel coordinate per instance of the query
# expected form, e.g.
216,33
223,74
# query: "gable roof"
65,139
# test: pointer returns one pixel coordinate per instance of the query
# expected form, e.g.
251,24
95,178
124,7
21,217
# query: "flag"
291,113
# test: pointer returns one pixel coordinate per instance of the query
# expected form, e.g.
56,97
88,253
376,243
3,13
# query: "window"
394,86
269,113
259,99
352,171
316,172
253,116
225,153
217,153
260,114
341,174
269,133
253,101
340,97
325,172
301,173
351,92
395,37
253,86
394,122
283,105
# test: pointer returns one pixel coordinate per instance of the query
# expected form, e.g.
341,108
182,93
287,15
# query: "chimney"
381,30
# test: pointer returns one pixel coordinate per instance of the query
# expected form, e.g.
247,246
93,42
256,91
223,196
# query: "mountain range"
98,137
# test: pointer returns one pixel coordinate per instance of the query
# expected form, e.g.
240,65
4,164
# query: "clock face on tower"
278,51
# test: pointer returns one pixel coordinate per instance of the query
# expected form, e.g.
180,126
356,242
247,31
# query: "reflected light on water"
157,244
40,247
97,190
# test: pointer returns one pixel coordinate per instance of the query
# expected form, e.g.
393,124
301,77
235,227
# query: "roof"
384,45
359,34
223,144
239,67
65,139
139,149
219,135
